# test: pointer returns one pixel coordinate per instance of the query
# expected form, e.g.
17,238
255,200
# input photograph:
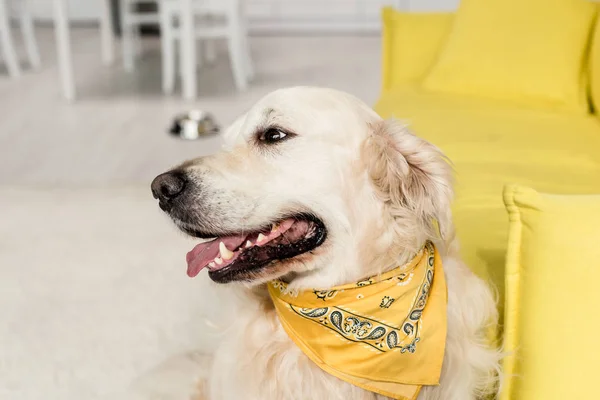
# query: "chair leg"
7,44
127,36
236,51
188,50
168,51
241,7
63,45
107,41
247,57
31,47
237,62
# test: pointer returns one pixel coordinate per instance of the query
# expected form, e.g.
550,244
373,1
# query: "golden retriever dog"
315,189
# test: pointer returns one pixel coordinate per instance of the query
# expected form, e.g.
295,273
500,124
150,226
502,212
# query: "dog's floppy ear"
411,175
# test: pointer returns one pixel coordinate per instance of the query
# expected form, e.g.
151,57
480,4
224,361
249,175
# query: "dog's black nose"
167,186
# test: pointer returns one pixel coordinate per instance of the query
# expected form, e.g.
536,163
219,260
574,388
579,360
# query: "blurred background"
93,290
93,285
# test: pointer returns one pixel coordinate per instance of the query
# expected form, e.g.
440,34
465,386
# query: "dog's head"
312,187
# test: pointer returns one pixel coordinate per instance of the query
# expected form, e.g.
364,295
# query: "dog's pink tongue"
201,255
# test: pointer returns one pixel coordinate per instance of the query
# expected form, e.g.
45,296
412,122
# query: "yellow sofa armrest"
551,316
411,42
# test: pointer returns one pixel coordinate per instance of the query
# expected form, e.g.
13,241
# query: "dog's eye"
272,135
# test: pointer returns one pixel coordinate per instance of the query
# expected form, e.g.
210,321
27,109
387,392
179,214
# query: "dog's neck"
329,276
260,295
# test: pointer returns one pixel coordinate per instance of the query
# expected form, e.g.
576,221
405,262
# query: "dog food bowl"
194,125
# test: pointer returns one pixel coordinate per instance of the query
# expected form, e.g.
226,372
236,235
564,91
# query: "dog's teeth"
249,244
211,264
225,252
261,238
274,227
218,260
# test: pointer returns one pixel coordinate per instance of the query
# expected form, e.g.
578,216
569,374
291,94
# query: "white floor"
93,290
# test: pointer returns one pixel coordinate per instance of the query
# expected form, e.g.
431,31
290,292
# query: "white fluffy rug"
93,292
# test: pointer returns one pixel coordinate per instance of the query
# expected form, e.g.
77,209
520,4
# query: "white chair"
6,40
211,19
63,43
131,21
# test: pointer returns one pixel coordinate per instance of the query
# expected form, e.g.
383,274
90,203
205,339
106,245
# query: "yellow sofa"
492,143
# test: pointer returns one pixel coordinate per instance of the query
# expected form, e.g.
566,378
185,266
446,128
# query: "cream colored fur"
381,192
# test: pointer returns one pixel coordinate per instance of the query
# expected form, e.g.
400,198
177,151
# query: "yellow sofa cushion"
595,69
411,42
552,275
492,143
530,52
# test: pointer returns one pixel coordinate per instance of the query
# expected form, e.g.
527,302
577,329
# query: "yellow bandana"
385,334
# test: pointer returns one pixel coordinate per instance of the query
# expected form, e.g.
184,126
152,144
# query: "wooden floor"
115,133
